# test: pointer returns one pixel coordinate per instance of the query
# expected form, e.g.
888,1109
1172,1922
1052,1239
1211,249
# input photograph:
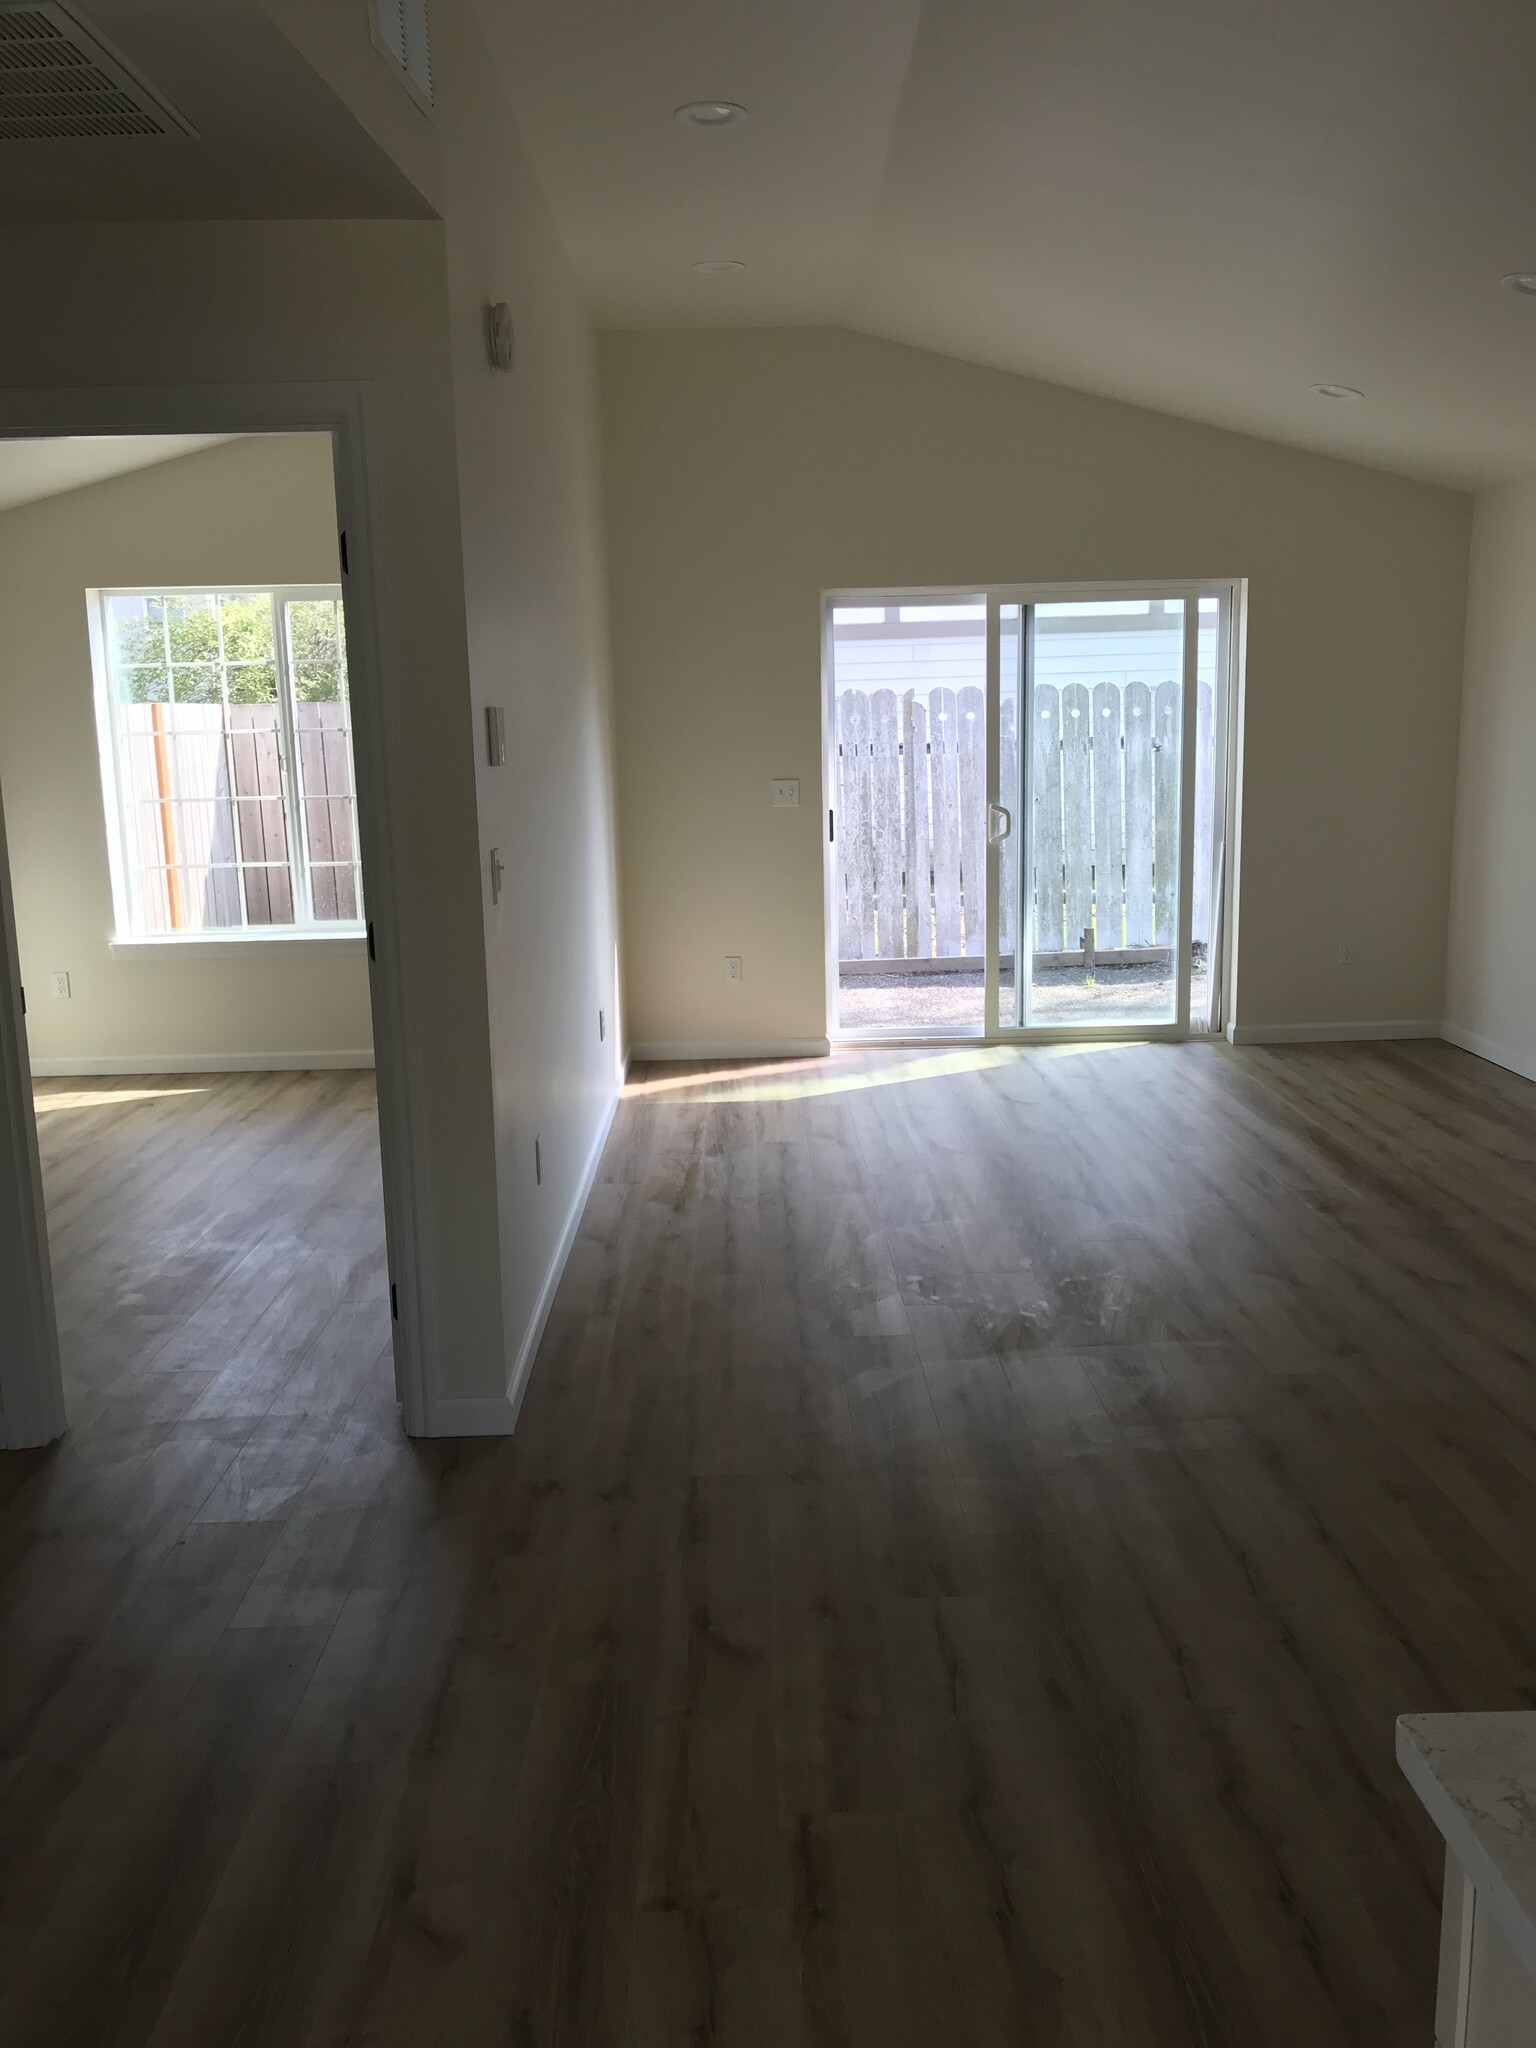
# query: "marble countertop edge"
1475,1775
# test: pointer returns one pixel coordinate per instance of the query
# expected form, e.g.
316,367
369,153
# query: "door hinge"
394,1301
831,828
342,543
372,955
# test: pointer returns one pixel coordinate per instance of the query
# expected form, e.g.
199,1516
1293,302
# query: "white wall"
276,303
260,512
1490,1003
529,473
749,471
505,1048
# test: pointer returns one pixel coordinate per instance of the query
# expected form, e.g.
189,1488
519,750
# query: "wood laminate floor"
974,1520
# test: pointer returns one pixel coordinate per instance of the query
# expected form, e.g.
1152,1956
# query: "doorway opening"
1033,776
212,1221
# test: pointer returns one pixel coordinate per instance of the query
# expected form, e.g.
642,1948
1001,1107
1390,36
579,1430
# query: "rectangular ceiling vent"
59,82
400,31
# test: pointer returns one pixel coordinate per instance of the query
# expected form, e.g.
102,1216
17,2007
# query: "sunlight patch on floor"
801,1080
107,1098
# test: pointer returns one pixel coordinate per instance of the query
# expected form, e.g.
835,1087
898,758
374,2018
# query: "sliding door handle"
999,823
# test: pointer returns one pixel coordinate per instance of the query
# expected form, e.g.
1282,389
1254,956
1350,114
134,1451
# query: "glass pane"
150,684
196,685
316,683
136,632
327,785
910,704
192,627
252,683
1010,794
247,622
1106,764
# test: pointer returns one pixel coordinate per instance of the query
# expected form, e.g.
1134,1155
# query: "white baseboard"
1318,1034
84,1064
1521,1063
497,1414
717,1049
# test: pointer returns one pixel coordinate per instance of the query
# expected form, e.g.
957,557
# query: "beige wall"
749,471
253,512
530,494
276,303
530,499
1490,1002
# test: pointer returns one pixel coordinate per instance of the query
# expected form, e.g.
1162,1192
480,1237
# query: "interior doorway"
221,676
1028,810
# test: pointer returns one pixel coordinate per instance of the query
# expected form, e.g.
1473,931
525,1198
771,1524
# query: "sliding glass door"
1043,851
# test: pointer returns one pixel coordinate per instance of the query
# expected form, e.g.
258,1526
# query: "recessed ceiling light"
710,114
1521,282
1345,393
719,266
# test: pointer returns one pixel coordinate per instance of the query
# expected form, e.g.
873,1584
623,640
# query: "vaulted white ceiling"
48,466
1206,206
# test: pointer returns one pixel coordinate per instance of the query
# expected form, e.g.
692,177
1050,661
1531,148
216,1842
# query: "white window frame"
306,929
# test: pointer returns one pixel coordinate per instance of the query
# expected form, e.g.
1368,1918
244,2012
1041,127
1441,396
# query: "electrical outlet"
1349,952
733,967
786,796
60,983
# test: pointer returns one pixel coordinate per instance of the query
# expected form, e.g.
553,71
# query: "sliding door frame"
1229,593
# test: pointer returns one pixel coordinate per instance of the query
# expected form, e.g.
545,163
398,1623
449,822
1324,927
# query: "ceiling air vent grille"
400,30
59,82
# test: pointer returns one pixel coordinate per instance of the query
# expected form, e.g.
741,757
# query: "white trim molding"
1521,1063
496,1414
1320,1034
719,1049
350,941
66,1066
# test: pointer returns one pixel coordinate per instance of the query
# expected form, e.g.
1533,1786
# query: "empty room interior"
767,1054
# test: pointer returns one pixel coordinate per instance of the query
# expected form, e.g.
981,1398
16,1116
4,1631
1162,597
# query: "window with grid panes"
227,758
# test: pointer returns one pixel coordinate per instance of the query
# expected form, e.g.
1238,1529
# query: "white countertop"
1476,1774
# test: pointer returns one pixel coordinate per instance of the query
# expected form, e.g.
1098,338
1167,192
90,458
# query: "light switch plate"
786,796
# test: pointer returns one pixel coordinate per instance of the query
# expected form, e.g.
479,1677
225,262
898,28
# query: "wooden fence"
207,827
911,819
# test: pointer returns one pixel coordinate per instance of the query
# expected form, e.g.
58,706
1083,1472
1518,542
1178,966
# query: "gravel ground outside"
1062,995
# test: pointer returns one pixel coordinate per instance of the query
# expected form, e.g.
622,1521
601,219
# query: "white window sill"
200,946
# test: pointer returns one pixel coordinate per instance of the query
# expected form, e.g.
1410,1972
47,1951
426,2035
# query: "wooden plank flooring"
974,1519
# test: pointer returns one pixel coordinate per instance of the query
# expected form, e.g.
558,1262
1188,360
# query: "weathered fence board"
943,764
885,820
1167,774
1077,810
1108,819
1008,784
971,712
916,829
911,827
1139,802
858,855
1046,770
1205,808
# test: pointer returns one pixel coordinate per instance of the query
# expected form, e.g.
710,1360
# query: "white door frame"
31,1391
1230,591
